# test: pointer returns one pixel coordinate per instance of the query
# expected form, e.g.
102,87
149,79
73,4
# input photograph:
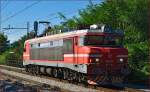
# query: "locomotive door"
68,50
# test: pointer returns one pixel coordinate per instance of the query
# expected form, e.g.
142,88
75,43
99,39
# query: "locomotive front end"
110,68
107,63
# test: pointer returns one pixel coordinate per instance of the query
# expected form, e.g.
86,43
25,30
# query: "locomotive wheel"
60,74
34,70
55,73
83,78
74,76
37,70
30,69
65,74
79,78
70,75
26,69
49,71
42,70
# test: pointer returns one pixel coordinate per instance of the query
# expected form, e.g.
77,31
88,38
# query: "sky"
13,13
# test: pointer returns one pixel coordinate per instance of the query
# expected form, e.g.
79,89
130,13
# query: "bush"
2,59
138,55
138,77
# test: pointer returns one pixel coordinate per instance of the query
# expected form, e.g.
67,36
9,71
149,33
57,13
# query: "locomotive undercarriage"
105,79
106,74
61,73
71,75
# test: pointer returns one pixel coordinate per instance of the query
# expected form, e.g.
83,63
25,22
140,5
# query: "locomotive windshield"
110,41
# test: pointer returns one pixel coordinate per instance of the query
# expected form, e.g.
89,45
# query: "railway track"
63,84
11,84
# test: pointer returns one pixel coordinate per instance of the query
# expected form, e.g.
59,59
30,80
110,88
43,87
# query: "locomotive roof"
58,36
68,34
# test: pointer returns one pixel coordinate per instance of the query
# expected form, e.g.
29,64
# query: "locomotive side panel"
51,50
57,53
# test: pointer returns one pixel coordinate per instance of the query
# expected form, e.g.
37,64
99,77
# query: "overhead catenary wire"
22,10
67,13
55,14
14,32
56,17
51,14
4,6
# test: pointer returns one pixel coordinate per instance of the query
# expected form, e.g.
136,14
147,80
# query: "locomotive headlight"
121,60
97,59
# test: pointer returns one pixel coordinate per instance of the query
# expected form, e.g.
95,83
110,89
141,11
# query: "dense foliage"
3,43
128,15
14,52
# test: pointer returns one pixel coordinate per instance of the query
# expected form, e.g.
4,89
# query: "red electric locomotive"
95,55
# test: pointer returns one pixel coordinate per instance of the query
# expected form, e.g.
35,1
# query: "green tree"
3,43
128,15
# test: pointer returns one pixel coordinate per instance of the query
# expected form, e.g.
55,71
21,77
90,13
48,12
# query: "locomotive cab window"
68,46
90,40
95,40
113,41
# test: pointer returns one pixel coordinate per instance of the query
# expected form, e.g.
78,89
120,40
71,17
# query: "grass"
138,77
2,59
